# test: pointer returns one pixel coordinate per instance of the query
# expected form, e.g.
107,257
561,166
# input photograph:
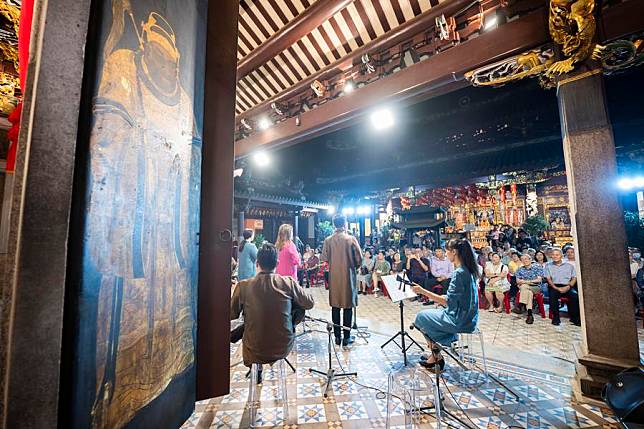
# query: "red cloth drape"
24,39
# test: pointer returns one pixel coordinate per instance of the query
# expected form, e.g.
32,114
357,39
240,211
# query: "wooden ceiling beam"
421,23
302,25
436,75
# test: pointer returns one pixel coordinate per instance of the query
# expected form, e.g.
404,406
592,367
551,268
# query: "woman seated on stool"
461,302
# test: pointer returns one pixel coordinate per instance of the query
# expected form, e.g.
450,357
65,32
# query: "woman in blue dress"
461,302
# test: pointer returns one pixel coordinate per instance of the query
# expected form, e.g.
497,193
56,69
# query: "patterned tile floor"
540,399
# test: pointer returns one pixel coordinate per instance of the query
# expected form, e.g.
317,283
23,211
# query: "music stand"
330,373
398,293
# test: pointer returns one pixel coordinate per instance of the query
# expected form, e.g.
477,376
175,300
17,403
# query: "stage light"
264,123
490,22
330,210
382,119
364,210
261,159
348,87
348,211
629,183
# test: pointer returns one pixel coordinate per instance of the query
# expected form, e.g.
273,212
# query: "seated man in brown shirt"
272,305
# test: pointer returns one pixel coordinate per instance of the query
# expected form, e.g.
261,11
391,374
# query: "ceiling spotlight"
261,159
238,172
348,87
264,123
382,119
330,210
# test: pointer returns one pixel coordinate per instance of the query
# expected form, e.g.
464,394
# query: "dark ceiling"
451,140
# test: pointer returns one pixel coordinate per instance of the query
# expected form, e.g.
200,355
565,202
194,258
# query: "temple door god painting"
137,319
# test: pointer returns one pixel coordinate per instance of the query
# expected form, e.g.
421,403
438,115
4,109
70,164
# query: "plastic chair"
464,348
537,297
252,391
404,390
506,302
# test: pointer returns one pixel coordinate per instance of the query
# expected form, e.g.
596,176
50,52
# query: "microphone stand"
361,331
402,333
330,373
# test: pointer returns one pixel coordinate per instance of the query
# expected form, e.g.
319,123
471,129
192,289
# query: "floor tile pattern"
539,400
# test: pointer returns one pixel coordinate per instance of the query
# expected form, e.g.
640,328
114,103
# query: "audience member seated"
390,256
381,268
570,255
562,281
513,266
397,266
312,266
496,275
272,305
541,260
529,277
417,269
441,273
365,272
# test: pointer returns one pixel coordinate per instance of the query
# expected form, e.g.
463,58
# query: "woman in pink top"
289,258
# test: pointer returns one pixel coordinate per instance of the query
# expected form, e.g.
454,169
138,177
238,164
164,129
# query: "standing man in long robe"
342,252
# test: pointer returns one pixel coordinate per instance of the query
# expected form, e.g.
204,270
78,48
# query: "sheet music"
396,294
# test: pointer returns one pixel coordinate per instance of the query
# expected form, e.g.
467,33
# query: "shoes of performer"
432,365
556,322
429,303
338,341
530,319
575,322
348,341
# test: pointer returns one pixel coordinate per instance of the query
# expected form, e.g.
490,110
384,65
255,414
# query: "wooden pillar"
296,224
213,326
606,298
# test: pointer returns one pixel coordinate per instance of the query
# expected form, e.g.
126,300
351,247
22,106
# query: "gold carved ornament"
572,26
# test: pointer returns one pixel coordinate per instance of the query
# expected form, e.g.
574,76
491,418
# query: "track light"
490,22
264,123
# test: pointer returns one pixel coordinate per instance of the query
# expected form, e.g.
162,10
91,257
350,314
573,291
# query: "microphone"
403,280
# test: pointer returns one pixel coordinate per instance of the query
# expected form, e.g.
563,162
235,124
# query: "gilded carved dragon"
572,26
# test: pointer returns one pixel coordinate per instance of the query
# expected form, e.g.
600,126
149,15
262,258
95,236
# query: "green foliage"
323,230
535,225
259,240
634,229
